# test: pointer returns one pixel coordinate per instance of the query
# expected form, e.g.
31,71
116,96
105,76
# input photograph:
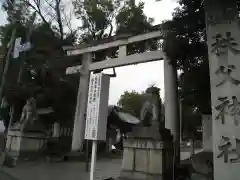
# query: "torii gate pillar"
172,116
81,106
123,59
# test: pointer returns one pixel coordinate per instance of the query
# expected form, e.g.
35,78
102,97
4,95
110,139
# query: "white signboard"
18,47
97,108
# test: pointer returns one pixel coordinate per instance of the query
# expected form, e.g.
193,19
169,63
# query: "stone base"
24,145
128,175
146,158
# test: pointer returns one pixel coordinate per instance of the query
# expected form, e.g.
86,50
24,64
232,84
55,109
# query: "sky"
138,77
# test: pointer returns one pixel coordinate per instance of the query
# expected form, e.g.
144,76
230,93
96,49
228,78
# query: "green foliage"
187,48
131,101
17,11
44,69
97,17
131,17
45,63
132,20
192,121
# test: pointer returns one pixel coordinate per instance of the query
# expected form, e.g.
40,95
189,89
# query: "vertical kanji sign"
97,108
223,39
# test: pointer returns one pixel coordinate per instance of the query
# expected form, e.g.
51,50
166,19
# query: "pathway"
66,170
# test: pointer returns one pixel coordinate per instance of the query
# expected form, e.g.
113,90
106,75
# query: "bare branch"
111,30
36,8
59,19
68,20
50,4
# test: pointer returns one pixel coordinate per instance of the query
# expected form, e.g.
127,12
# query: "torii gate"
172,121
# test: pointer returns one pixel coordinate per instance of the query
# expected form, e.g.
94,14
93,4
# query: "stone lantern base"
24,145
147,155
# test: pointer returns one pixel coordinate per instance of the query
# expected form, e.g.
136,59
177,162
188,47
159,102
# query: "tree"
131,101
98,18
44,64
53,13
189,51
131,20
186,46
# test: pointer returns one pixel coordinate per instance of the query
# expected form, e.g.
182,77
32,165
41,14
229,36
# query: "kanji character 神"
235,109
222,108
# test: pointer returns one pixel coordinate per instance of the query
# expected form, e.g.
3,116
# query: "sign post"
97,112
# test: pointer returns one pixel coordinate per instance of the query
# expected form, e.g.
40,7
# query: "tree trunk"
59,19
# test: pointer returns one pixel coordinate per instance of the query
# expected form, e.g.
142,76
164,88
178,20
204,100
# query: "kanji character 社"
225,149
236,152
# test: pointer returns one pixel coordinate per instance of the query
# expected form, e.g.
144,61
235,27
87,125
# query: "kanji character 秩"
222,43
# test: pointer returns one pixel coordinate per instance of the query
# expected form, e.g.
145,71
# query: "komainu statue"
29,113
151,114
151,108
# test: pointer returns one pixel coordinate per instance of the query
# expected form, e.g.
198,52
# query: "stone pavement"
6,176
106,168
65,170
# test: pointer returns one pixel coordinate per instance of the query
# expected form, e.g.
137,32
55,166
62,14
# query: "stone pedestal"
24,145
146,155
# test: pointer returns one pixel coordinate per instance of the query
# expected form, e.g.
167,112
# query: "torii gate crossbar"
171,98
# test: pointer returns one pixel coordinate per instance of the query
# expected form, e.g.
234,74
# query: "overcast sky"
139,77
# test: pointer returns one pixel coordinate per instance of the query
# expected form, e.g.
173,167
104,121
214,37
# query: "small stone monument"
26,137
148,149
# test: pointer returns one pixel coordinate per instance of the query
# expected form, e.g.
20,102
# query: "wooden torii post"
171,98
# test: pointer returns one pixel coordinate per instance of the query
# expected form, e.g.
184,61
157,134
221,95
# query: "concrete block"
128,159
141,160
156,162
139,176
